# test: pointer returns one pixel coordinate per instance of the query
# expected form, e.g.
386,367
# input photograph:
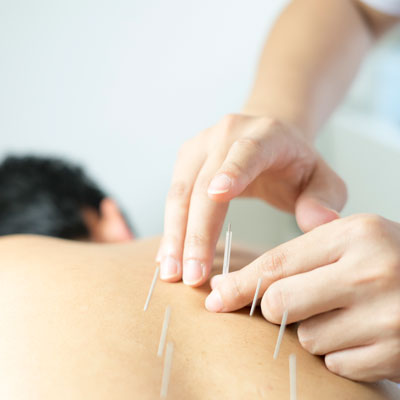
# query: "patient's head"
49,196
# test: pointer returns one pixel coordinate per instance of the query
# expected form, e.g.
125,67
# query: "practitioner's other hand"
240,156
342,280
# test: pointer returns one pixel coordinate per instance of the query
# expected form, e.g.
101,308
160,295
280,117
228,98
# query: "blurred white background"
119,85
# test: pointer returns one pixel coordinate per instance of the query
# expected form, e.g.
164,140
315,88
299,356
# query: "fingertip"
170,279
170,269
214,302
331,362
158,256
220,184
310,213
221,197
195,272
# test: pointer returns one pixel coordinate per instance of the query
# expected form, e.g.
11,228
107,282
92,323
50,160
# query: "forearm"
309,61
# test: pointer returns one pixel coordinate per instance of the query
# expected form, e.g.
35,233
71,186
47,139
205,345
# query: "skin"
308,62
73,327
107,225
352,266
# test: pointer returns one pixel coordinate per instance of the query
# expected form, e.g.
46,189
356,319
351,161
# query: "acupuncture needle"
227,253
253,306
164,331
280,335
292,376
153,283
167,370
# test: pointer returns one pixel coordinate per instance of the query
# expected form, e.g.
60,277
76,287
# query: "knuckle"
178,190
391,324
367,226
272,265
389,270
248,150
228,121
237,294
382,275
170,244
201,186
273,304
273,123
235,169
226,127
251,144
195,239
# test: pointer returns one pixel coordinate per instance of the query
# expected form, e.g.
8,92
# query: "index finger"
176,210
321,246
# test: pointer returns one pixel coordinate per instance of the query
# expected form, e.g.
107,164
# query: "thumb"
322,199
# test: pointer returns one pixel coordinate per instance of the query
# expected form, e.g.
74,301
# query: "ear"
112,226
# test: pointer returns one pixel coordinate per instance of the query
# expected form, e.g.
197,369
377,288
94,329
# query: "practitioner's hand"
240,156
342,280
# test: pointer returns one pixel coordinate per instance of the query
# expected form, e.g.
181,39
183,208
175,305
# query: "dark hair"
45,196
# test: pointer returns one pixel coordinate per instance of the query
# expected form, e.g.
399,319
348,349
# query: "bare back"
73,327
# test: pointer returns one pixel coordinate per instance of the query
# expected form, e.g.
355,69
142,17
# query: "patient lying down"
73,327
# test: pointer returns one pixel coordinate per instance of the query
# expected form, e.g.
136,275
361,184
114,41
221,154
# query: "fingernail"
169,268
216,280
332,210
214,301
193,272
328,207
220,184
